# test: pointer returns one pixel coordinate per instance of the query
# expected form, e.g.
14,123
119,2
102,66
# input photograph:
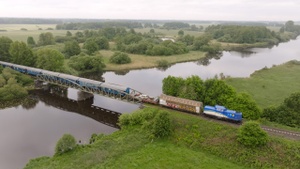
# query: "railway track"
270,130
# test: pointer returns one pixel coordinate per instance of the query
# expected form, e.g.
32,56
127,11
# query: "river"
32,131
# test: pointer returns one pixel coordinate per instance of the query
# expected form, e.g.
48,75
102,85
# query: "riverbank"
270,86
143,61
194,143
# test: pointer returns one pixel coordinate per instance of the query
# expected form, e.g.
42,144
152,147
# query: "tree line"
211,92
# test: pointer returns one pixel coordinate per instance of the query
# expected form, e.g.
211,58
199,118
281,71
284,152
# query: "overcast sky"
249,10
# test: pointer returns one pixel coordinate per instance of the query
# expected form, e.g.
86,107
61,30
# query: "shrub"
65,144
120,58
137,118
162,124
163,63
251,135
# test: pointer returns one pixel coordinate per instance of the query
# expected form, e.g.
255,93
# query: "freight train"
194,107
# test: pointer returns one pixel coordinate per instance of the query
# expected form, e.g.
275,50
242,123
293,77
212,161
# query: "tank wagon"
62,78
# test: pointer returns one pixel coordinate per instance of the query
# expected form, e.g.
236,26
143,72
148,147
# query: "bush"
137,118
120,58
65,144
163,63
162,124
251,135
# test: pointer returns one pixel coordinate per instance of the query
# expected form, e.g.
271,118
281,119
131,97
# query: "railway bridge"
111,90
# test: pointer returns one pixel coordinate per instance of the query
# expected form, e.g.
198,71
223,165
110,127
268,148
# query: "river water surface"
31,131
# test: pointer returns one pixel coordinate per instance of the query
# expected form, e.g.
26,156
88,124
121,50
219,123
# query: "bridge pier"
84,96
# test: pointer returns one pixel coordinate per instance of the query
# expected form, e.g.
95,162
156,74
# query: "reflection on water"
234,64
84,107
32,130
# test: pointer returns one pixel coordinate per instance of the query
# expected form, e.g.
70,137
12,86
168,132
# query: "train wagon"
223,113
180,103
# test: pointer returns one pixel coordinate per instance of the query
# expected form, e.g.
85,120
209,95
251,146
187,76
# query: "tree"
65,144
102,43
90,45
30,41
172,85
69,34
120,58
50,59
201,41
193,88
71,48
87,64
162,124
287,113
4,48
217,92
152,31
46,39
251,135
21,54
181,33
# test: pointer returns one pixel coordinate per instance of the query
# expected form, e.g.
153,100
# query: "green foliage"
241,34
194,138
217,92
11,85
46,39
245,104
31,41
50,59
120,58
90,45
251,135
4,48
287,113
65,144
291,27
137,118
172,85
95,137
201,42
163,63
21,54
102,42
68,33
87,64
175,25
187,39
162,124
211,92
71,48
180,33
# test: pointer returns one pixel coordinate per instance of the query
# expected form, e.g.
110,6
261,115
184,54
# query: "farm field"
14,31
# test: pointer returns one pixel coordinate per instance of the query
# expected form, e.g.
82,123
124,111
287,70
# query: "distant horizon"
194,10
148,19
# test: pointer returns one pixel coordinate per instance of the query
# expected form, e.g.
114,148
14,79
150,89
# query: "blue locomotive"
222,113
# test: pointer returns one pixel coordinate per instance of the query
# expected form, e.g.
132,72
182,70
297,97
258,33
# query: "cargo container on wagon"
180,103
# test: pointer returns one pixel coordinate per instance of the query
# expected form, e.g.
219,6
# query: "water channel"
32,131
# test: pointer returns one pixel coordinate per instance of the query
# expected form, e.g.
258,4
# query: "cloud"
154,9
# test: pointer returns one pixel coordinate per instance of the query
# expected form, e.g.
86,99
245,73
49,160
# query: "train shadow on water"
82,107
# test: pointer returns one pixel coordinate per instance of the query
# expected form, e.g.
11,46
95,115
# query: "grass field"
270,86
14,31
143,61
194,143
